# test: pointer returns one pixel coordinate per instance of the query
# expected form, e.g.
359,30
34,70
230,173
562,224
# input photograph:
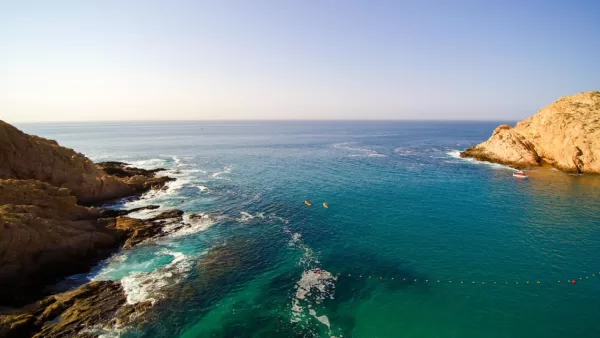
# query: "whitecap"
456,154
191,225
150,286
202,188
148,164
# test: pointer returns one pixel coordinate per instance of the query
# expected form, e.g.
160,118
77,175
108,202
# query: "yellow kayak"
325,205
307,202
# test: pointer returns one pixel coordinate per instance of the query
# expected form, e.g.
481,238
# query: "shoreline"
58,219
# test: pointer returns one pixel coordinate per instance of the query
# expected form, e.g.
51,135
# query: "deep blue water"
401,205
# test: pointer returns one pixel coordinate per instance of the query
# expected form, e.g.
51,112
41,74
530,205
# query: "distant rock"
565,134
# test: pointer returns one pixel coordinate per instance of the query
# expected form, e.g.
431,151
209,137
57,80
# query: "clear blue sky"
114,60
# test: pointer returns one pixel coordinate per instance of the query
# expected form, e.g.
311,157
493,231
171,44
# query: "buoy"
574,281
325,205
307,202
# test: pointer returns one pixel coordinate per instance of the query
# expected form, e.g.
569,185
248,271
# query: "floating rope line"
572,281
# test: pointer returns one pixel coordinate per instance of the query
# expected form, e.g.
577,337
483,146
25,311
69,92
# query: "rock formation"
565,134
48,231
24,156
85,311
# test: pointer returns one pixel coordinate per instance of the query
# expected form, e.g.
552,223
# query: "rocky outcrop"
24,157
48,232
45,234
140,180
83,312
565,134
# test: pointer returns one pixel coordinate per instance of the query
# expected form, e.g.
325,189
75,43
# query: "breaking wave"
455,154
151,286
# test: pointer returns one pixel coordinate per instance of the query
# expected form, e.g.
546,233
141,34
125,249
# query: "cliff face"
24,156
565,134
44,233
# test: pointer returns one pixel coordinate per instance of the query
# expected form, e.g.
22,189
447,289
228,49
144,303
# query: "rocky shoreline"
564,135
51,227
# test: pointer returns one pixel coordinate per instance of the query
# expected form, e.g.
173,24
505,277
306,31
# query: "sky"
194,60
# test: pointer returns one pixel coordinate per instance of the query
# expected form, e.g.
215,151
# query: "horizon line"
261,120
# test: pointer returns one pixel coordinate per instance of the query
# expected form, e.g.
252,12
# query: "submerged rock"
565,134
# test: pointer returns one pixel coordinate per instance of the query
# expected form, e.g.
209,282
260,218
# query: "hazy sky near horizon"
163,60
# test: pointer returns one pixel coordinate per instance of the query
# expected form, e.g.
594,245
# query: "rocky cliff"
565,134
48,231
24,156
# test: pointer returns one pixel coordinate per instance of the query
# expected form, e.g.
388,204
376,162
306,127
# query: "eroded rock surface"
565,134
83,312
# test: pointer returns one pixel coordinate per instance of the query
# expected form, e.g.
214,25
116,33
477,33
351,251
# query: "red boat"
519,174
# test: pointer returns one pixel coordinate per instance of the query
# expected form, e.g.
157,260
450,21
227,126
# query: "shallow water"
402,205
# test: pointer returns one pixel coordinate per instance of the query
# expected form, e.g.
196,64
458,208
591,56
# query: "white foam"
296,237
246,216
200,223
203,188
177,160
456,154
323,319
150,286
364,152
313,287
226,170
152,163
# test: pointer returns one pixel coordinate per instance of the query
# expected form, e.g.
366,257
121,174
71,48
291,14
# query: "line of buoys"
441,281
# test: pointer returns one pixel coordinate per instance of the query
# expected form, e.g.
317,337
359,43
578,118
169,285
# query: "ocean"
416,241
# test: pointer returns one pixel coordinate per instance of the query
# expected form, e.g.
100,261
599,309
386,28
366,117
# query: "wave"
151,286
456,155
203,188
192,224
152,163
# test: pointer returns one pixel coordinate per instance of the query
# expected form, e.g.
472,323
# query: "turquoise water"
401,205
